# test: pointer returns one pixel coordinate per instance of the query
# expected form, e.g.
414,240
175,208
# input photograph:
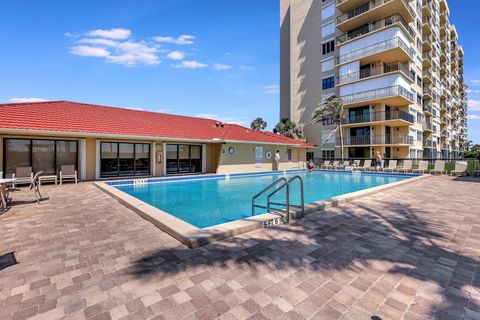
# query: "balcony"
378,140
427,76
370,11
427,25
427,93
392,96
428,109
427,60
430,144
429,127
379,51
427,42
375,71
427,8
395,19
394,118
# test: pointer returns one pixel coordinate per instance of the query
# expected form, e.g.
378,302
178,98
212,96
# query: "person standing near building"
277,161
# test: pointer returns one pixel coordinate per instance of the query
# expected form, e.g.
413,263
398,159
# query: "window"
328,47
289,154
40,154
328,83
328,11
328,65
328,29
328,154
183,158
120,159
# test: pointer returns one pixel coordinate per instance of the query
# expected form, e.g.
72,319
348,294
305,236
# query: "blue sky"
211,58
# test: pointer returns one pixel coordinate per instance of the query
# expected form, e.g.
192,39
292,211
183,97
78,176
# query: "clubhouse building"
108,143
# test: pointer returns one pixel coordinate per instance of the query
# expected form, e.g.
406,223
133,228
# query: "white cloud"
115,33
24,100
183,39
270,89
88,51
124,52
230,120
473,117
475,81
474,105
164,110
191,64
206,115
176,55
221,66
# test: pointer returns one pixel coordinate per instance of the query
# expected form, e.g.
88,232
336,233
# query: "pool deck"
409,252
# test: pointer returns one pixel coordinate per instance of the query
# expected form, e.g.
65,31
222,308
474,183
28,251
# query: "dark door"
388,152
388,135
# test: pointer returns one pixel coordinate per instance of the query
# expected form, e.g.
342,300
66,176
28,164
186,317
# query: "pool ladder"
277,186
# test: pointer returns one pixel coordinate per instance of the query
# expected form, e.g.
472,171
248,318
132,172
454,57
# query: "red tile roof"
74,117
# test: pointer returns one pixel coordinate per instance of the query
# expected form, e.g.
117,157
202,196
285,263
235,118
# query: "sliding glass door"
183,158
121,159
40,154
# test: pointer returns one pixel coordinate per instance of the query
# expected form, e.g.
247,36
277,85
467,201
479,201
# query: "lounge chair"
365,166
333,165
459,170
22,175
422,167
392,166
368,166
68,172
476,171
439,167
406,167
356,164
326,164
338,165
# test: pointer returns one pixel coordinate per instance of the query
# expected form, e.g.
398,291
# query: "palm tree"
258,124
288,128
332,108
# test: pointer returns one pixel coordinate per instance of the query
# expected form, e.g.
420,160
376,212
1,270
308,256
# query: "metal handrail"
302,198
287,194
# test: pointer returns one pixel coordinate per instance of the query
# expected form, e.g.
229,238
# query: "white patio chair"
439,167
406,167
422,167
459,170
68,172
392,166
22,175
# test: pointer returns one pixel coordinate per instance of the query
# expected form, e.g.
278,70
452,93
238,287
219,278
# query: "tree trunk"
341,139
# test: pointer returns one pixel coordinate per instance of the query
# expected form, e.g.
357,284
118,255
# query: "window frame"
4,142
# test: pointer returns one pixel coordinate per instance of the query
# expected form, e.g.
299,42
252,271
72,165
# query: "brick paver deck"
411,252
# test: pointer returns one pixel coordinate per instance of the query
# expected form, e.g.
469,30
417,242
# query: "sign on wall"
258,157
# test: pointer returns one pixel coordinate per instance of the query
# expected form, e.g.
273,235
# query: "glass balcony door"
40,154
182,158
43,158
123,159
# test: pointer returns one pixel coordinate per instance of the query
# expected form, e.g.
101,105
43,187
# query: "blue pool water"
208,202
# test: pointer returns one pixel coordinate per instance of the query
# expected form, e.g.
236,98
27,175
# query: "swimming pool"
206,201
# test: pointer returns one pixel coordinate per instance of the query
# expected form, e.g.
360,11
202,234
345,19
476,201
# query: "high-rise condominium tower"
396,64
